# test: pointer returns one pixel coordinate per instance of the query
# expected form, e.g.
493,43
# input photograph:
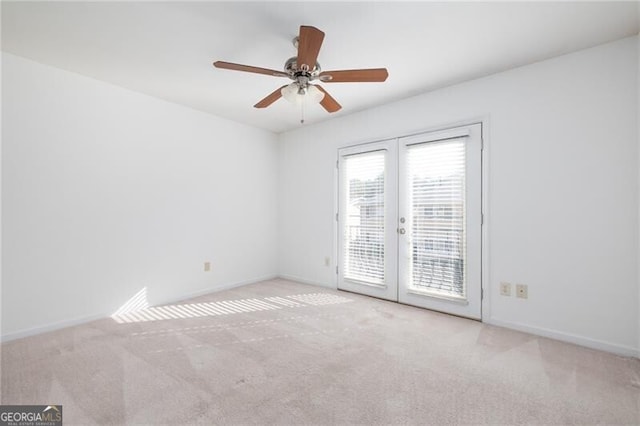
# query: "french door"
410,220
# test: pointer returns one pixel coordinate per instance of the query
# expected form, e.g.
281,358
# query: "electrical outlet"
207,266
522,291
505,289
327,261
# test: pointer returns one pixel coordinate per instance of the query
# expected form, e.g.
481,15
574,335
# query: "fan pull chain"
302,112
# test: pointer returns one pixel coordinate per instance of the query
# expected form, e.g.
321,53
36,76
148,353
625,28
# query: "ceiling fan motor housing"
302,76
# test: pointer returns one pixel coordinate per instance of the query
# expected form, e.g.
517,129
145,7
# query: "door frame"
485,250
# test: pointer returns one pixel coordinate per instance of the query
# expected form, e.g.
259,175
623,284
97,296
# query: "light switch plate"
505,289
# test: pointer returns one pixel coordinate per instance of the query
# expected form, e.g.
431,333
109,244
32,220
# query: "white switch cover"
505,289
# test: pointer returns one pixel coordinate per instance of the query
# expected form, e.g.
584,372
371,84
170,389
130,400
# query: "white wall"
106,191
562,179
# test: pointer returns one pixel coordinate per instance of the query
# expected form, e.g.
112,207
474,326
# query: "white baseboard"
568,337
305,281
50,327
77,321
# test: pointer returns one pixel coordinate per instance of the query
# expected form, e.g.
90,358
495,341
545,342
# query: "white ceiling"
165,49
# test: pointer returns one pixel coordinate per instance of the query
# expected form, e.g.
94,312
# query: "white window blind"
437,205
365,213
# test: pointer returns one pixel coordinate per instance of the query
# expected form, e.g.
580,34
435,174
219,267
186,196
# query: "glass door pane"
367,209
436,176
440,221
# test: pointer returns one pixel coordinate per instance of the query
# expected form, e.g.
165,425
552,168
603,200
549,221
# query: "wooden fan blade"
309,43
247,68
354,76
271,98
328,103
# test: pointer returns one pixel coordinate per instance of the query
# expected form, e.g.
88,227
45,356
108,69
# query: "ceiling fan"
303,69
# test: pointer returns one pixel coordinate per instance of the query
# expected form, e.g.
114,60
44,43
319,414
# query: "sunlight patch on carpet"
137,311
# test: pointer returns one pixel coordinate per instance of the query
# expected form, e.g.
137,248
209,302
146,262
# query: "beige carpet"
279,352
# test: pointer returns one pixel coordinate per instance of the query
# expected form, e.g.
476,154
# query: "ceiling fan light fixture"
290,93
298,95
314,94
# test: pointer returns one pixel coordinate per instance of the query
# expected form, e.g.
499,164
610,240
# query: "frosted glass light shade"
290,93
314,94
293,94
